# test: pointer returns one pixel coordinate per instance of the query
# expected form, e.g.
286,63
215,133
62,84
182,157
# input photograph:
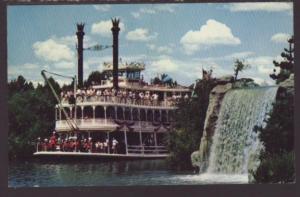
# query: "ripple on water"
209,178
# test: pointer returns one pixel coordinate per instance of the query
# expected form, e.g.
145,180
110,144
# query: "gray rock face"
288,85
200,158
245,83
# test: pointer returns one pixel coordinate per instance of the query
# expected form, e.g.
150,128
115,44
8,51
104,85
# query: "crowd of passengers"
75,144
120,96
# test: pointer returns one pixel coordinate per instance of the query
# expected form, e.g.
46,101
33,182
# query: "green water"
105,173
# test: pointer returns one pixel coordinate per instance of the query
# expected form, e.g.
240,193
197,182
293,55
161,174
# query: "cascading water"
235,147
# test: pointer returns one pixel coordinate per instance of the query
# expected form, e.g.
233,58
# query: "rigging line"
58,74
72,124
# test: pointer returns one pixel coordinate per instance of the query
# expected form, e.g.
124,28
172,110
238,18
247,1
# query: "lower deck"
101,155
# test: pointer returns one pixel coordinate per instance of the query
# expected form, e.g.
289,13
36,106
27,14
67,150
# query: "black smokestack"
115,31
80,34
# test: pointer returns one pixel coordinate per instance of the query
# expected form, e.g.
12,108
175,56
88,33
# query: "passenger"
186,96
101,147
106,143
90,145
53,142
114,145
85,145
97,146
45,144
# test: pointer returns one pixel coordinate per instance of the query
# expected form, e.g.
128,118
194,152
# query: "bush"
277,159
31,115
276,168
189,122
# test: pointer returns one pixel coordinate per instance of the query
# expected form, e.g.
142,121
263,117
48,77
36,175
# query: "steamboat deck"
100,155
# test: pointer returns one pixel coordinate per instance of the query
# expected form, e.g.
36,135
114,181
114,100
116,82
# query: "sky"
177,39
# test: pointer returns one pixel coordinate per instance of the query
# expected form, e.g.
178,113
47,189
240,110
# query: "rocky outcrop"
224,84
287,86
200,158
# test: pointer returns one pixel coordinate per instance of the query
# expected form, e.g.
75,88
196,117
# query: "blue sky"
177,39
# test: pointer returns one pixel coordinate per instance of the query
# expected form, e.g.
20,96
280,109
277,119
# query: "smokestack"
115,31
80,34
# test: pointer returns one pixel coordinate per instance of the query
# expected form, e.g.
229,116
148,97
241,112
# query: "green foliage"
94,78
276,168
164,79
239,66
277,160
287,65
31,115
189,118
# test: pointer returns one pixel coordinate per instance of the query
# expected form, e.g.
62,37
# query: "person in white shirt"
114,145
106,145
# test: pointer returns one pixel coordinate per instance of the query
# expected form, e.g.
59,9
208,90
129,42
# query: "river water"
107,173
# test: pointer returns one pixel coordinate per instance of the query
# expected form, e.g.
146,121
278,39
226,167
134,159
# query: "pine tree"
287,65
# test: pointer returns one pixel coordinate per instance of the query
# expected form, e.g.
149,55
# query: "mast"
115,31
80,35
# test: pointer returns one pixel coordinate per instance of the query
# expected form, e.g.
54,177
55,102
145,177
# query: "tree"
19,85
239,66
287,65
189,123
277,158
31,115
94,78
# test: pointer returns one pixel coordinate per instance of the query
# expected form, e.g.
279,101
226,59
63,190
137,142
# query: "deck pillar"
59,114
153,116
160,114
167,114
105,116
123,113
82,108
94,115
140,133
155,140
116,113
126,144
108,149
55,113
70,112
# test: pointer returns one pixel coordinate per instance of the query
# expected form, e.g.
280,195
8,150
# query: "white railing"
107,124
147,149
112,100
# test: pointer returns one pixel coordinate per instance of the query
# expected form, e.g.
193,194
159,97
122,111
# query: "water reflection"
100,173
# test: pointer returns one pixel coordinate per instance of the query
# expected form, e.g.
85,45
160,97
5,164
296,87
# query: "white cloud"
136,14
269,7
160,49
102,8
164,65
103,28
30,66
28,70
263,64
64,65
239,55
211,34
166,7
51,50
169,8
140,34
280,37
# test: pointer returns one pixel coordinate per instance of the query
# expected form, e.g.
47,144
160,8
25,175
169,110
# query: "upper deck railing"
169,103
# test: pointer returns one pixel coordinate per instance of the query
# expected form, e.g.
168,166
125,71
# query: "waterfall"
235,146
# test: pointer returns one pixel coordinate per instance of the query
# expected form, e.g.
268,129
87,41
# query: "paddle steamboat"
122,117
